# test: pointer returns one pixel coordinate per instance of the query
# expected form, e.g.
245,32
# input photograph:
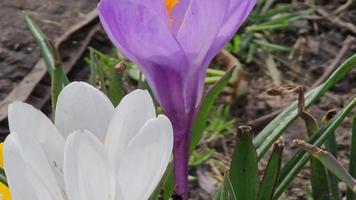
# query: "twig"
346,46
336,20
24,89
259,123
238,79
343,7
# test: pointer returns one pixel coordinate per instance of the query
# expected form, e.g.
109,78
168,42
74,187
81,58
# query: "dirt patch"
18,51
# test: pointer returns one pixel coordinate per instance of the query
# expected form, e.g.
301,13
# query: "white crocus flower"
93,152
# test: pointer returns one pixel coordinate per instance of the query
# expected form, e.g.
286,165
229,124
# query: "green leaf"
271,173
319,180
199,123
296,163
116,91
331,146
225,192
46,48
3,178
93,68
272,46
319,176
330,162
243,170
167,183
57,78
198,158
279,124
352,167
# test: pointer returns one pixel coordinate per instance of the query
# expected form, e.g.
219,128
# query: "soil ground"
18,51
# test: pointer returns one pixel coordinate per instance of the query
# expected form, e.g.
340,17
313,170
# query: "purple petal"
168,86
200,26
143,37
178,14
196,35
237,14
140,34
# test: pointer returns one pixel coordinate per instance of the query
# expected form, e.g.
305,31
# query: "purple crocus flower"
173,42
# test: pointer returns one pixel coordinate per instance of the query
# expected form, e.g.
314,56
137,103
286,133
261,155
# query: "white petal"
80,106
130,115
16,169
146,159
27,121
25,161
86,169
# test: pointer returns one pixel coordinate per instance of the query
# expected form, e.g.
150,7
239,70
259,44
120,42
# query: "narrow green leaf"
271,173
215,72
46,48
319,180
57,78
319,176
159,189
211,80
243,170
224,192
3,178
331,146
168,185
297,162
116,92
93,68
330,162
272,46
41,41
207,103
259,16
101,74
352,167
279,124
198,158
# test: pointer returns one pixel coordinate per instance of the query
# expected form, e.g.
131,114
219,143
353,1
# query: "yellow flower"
4,191
1,155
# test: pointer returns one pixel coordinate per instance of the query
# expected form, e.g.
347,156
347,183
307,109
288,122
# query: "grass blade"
331,146
115,91
3,178
207,103
243,171
225,192
275,129
352,167
330,162
294,165
93,68
48,51
272,46
271,174
168,176
319,176
57,78
41,41
168,183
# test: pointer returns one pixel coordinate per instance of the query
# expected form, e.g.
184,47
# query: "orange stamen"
170,4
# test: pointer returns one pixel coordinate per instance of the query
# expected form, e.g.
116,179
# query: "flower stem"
180,154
